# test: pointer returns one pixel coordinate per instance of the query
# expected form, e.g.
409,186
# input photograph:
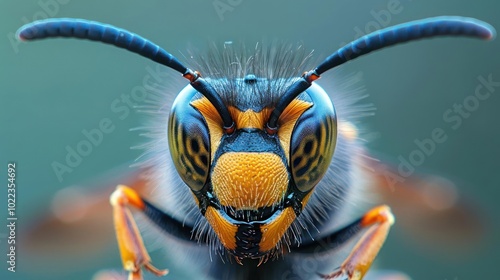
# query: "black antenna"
108,34
415,30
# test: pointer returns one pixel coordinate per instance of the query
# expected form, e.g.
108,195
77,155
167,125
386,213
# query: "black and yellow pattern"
189,144
313,141
251,185
311,157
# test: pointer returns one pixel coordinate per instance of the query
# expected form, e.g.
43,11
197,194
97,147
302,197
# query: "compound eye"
313,141
189,141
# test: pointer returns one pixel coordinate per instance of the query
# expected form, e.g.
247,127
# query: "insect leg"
132,250
378,222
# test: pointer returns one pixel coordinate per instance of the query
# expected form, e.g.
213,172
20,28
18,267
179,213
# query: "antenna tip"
492,33
488,32
20,34
26,32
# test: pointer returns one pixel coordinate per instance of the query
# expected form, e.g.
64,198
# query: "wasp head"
250,182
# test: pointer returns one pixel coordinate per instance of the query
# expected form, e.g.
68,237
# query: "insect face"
250,184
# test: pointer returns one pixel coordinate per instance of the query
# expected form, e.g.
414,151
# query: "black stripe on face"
248,238
249,140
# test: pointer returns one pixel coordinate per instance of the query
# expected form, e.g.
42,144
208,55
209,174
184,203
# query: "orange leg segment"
378,221
132,250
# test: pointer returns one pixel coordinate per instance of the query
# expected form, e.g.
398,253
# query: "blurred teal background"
52,90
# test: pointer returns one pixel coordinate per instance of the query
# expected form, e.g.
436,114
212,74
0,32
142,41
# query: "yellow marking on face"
306,199
251,119
248,181
272,232
222,227
214,122
287,122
